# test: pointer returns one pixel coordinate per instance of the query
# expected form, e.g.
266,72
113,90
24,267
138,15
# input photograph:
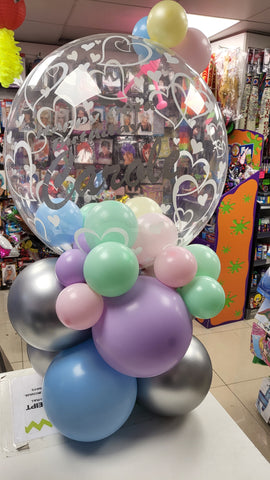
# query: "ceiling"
57,21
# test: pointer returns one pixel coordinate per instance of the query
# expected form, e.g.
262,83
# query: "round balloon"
183,387
155,232
208,263
110,221
142,205
78,306
31,308
40,359
93,401
203,296
167,23
106,123
69,267
140,30
111,269
175,266
195,49
144,332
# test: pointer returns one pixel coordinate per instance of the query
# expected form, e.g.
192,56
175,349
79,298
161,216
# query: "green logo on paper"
38,426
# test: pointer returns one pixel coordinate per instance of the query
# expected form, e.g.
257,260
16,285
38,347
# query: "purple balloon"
81,243
144,332
69,267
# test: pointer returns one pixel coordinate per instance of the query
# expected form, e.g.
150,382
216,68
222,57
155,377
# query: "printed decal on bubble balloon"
96,121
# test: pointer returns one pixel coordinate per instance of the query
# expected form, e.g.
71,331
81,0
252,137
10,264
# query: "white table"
205,445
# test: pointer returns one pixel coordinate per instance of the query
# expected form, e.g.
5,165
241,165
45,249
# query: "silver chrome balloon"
40,359
31,308
182,388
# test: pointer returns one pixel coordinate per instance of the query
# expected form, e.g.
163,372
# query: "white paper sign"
29,417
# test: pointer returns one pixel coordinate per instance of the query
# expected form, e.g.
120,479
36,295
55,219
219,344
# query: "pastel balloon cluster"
126,293
167,24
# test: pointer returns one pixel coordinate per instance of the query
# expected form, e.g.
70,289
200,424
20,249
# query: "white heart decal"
45,92
19,122
55,220
196,146
202,199
73,55
170,58
95,57
154,75
88,46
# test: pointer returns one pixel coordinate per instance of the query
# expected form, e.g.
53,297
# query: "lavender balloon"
69,267
144,332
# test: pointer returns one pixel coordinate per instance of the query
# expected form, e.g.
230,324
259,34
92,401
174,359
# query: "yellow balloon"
167,23
142,205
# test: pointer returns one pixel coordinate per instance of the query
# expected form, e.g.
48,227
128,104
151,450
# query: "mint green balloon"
204,297
86,209
110,221
207,260
111,269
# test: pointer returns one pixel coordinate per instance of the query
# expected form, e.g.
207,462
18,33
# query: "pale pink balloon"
79,307
155,231
175,266
195,49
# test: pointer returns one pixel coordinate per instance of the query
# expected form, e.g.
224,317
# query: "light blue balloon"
57,227
84,398
140,30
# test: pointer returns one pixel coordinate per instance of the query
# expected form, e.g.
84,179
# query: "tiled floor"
236,380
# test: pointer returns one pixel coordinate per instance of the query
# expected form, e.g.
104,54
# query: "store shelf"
261,235
261,263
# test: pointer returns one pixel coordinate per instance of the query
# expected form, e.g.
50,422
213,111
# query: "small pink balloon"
155,231
175,267
195,49
79,307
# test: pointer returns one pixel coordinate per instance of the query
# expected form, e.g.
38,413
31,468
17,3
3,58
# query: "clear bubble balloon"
107,123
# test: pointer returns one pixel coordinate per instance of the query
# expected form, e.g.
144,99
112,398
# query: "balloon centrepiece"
115,122
181,389
99,399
